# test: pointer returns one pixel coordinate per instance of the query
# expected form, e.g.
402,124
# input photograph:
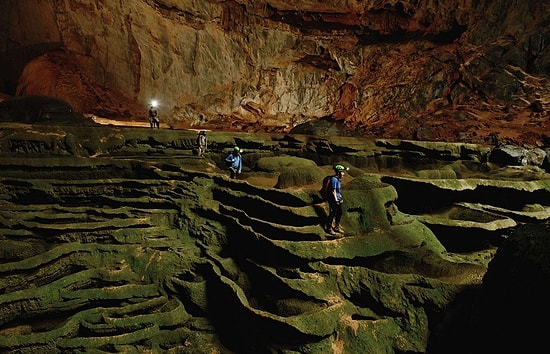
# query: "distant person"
335,201
154,120
202,142
234,162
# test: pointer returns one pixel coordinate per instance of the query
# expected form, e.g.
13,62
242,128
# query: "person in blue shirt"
335,201
235,162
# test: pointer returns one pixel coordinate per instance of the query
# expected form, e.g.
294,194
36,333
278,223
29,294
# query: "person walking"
335,201
235,162
154,120
202,142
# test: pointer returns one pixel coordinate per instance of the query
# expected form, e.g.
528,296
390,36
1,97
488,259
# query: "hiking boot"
329,230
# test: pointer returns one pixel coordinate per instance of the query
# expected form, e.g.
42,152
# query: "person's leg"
337,218
330,217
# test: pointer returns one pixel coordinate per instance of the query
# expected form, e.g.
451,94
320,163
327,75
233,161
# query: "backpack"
325,187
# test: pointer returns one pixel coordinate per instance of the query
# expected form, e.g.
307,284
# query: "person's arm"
334,195
240,163
333,187
229,158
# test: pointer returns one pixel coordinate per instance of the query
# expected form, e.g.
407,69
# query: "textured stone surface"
469,71
140,245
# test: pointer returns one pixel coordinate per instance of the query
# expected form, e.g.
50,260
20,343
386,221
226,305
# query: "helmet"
236,149
340,168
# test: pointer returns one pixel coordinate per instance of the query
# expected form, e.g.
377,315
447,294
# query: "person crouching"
234,162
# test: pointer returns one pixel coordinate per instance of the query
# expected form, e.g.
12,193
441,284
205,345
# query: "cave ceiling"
436,71
118,238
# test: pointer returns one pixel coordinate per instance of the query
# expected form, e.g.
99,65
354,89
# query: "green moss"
297,176
279,163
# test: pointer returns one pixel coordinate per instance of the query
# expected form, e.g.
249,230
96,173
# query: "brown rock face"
469,71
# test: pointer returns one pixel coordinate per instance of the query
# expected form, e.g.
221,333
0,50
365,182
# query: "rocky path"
159,251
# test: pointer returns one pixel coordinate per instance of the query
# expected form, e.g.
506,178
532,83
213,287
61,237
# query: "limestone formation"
125,241
465,71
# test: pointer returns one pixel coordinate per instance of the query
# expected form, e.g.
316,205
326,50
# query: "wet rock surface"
122,239
435,71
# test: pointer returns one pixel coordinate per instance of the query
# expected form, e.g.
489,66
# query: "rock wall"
123,240
437,70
